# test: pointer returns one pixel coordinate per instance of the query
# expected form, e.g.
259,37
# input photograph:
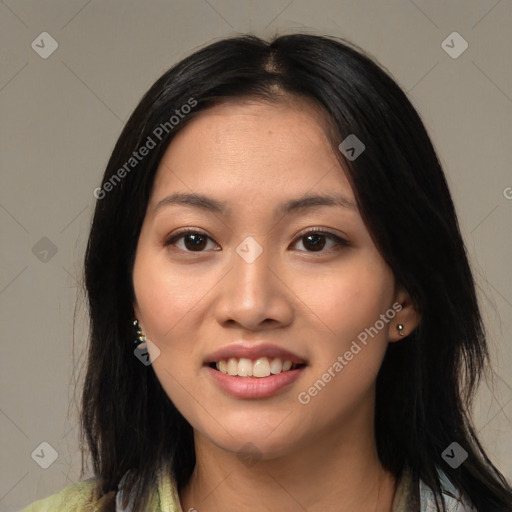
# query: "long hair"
426,383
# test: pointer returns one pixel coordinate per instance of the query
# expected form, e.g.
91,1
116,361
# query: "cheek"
350,357
166,293
167,296
352,302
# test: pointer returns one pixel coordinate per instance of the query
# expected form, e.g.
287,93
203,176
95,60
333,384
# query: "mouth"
261,367
250,379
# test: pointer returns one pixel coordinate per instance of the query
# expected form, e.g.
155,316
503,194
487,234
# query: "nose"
255,295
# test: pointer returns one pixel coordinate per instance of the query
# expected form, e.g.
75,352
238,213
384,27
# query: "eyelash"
340,242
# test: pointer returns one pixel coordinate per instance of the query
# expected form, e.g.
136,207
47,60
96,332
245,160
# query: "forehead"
287,123
248,146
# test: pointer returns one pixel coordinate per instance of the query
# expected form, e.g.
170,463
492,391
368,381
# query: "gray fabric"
418,497
453,499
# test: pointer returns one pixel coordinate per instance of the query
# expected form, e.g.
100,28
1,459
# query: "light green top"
80,497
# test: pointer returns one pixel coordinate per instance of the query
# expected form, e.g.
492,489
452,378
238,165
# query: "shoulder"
454,500
78,497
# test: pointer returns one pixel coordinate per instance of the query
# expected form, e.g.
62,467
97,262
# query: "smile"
252,387
260,368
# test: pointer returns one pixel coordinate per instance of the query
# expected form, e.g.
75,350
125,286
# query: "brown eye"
315,241
193,241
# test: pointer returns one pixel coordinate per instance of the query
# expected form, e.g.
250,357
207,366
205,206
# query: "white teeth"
245,367
276,366
232,366
262,367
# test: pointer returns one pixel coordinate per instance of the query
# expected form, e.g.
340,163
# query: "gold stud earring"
400,328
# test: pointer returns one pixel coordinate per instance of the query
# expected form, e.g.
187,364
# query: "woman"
275,232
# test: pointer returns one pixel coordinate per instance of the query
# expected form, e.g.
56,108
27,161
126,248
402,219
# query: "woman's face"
253,287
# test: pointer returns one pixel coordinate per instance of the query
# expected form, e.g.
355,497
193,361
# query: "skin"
316,457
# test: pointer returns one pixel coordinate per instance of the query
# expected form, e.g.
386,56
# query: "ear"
407,315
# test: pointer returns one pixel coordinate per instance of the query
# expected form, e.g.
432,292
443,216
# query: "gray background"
62,115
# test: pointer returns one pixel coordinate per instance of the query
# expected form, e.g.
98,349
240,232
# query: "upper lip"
239,350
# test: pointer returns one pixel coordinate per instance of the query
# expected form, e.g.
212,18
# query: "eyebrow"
295,205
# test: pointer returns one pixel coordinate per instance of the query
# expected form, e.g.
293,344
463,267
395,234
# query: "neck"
332,473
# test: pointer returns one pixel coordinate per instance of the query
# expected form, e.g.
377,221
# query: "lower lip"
254,387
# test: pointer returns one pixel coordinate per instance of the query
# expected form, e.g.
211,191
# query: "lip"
254,387
253,352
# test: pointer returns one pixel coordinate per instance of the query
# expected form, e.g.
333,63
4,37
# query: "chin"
260,441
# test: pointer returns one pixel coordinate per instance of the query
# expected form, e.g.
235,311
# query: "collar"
164,499
411,495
